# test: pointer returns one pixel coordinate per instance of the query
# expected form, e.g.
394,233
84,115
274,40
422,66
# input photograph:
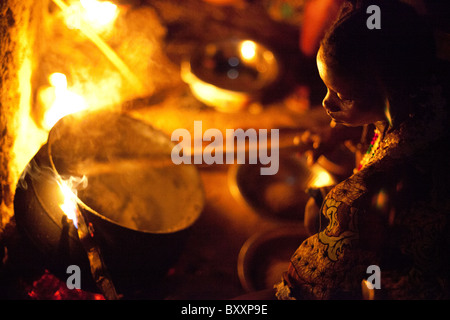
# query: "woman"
393,212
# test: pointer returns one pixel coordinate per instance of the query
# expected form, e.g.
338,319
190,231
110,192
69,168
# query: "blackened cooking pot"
140,204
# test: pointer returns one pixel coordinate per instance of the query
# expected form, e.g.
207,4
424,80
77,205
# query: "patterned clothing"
394,213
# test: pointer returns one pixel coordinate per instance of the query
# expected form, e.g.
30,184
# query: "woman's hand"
314,144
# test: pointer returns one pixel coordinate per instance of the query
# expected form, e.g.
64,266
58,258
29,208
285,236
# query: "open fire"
92,18
69,206
85,232
98,55
69,192
59,100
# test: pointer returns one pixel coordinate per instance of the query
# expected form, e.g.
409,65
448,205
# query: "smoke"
45,173
136,39
75,183
34,172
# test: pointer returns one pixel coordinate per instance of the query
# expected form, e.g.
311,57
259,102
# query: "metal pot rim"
86,207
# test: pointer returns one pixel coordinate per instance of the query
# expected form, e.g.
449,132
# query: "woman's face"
349,102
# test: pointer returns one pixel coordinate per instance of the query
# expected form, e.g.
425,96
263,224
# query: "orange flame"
70,195
69,206
60,100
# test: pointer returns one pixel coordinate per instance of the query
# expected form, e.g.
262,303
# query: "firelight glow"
98,14
59,100
219,98
74,17
248,50
322,179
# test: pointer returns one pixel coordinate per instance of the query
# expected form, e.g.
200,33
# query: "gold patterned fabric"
394,213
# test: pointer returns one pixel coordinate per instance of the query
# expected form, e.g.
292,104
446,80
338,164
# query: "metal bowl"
141,208
265,256
281,196
228,75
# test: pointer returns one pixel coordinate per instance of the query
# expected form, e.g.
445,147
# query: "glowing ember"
59,100
49,287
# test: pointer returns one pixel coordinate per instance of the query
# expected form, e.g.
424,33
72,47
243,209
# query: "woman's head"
348,100
366,70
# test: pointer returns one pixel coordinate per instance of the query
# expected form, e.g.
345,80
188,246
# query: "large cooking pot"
140,204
